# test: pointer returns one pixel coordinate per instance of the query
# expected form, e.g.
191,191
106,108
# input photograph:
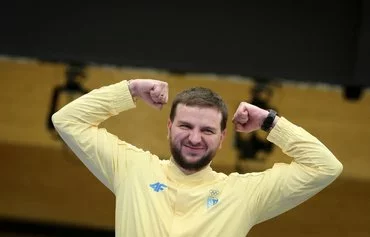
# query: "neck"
185,171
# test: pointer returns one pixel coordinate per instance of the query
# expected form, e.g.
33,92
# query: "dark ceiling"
311,41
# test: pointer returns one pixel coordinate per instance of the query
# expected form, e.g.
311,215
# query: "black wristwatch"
267,123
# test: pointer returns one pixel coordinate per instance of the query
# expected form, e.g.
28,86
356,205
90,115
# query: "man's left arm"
313,168
285,186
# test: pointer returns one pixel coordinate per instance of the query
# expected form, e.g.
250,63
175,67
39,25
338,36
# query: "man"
183,196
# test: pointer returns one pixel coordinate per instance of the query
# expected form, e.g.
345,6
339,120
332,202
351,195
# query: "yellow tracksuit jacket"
154,198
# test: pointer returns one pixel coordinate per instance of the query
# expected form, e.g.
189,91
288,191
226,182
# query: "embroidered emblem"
212,198
158,186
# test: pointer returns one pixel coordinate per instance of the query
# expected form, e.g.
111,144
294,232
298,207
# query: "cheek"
215,142
178,136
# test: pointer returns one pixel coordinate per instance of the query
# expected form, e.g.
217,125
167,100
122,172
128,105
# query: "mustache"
192,145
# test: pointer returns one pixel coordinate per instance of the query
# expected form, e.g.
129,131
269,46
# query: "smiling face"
195,136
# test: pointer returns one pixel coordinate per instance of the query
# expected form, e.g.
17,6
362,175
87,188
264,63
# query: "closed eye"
185,126
208,132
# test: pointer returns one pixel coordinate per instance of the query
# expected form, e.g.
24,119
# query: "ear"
169,125
223,135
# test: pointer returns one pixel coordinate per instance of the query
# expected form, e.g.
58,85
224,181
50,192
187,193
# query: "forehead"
196,115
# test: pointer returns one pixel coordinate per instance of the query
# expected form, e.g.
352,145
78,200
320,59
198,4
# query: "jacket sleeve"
285,186
77,124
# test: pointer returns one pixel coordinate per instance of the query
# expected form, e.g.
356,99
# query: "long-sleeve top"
155,198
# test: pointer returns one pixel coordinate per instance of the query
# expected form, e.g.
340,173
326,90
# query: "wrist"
132,88
263,116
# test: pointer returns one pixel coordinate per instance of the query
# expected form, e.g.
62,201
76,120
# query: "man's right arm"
77,124
102,152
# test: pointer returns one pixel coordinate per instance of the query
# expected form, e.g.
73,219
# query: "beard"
190,166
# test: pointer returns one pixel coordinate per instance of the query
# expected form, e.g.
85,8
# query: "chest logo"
157,187
212,198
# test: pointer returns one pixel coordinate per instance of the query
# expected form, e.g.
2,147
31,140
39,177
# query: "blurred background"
309,60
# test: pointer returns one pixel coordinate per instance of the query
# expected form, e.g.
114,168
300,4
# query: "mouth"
194,150
194,147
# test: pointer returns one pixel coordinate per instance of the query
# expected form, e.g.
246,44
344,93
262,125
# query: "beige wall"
41,179
340,124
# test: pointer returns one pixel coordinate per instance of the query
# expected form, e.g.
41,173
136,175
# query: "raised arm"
78,124
285,186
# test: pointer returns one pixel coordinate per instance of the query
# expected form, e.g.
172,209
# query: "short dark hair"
200,97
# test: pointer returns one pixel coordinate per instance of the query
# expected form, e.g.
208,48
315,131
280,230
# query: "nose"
195,137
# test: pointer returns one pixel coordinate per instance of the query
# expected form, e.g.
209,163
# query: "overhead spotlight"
252,146
353,92
75,72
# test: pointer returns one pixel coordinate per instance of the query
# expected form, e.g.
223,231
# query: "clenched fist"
153,92
249,118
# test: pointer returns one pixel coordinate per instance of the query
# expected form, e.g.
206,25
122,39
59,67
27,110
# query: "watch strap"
268,122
